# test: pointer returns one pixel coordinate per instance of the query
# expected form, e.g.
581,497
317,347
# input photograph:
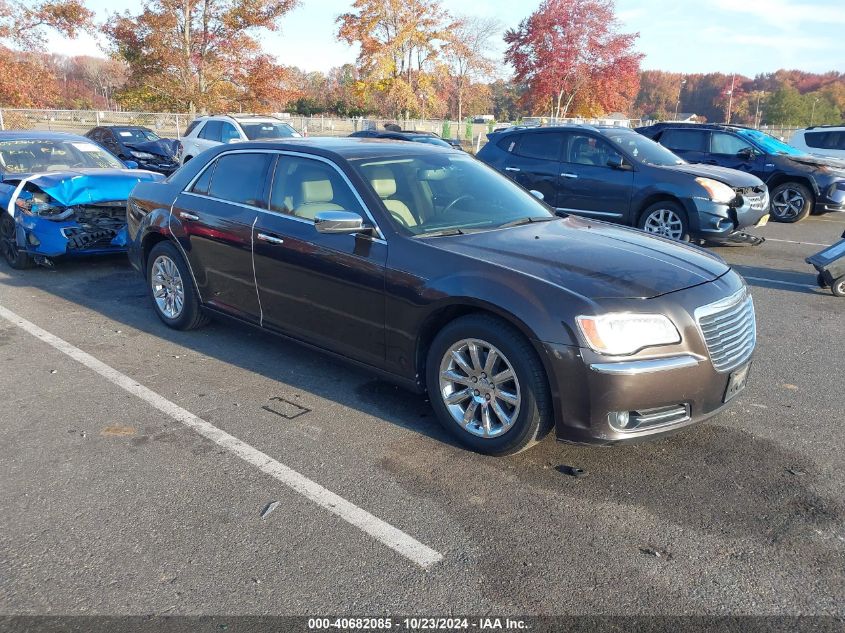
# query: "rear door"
534,162
589,186
325,289
729,150
689,144
216,215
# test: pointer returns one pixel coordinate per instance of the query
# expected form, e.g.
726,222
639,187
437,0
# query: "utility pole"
730,99
678,102
760,93
813,112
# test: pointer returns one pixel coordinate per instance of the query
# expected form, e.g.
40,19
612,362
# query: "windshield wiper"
527,220
441,233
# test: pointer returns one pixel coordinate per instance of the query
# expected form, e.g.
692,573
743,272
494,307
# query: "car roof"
346,147
557,128
41,135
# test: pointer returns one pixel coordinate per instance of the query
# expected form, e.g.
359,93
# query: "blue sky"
743,36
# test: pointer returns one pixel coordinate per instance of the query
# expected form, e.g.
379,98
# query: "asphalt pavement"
145,471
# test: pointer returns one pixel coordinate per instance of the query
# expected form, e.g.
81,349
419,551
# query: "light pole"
678,102
760,93
730,100
813,111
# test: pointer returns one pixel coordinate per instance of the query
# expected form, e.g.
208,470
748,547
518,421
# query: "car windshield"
770,144
267,129
29,156
642,149
136,135
441,194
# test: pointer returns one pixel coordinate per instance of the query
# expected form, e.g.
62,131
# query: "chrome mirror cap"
339,222
538,194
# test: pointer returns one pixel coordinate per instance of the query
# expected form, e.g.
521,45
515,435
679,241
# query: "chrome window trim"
647,366
379,235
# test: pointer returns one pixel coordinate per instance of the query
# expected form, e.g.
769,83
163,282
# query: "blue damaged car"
61,195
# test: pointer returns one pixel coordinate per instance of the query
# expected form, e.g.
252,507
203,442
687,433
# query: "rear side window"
191,126
834,139
211,131
202,183
721,143
507,143
228,132
240,178
685,140
540,146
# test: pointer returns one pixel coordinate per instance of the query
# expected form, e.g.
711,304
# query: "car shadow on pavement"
766,277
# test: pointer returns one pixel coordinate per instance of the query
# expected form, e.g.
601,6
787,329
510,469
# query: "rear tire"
791,202
17,259
171,288
666,219
495,419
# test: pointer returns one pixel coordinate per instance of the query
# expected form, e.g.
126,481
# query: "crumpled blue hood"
84,186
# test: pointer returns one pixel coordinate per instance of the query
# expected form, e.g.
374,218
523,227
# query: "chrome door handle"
269,238
512,169
188,216
568,174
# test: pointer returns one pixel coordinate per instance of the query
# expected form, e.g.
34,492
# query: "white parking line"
773,239
783,283
394,538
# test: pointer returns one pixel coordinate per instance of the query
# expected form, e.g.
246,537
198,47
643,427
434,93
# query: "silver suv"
208,131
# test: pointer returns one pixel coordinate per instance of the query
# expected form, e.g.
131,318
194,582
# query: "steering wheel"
449,206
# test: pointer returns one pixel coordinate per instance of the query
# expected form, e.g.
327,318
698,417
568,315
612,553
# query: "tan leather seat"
315,196
384,184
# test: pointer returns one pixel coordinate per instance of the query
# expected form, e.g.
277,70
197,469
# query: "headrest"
317,191
383,181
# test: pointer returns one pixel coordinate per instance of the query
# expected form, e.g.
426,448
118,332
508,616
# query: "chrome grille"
729,329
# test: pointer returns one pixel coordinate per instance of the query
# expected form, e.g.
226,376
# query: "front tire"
791,202
488,386
16,258
171,289
667,219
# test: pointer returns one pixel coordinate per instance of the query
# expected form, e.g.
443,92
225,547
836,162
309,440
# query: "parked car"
822,140
429,268
404,135
209,131
61,195
615,174
139,144
799,184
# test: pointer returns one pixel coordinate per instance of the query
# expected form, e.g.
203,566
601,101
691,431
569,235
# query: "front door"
728,150
326,289
214,220
589,184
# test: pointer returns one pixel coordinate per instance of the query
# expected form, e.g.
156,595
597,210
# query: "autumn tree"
192,54
569,49
401,44
467,53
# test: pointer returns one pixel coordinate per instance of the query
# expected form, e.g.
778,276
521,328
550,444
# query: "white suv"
208,131
824,140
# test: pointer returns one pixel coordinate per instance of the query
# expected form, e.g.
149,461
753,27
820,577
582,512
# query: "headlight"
142,155
717,191
624,333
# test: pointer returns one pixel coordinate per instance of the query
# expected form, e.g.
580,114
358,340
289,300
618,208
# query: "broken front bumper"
86,230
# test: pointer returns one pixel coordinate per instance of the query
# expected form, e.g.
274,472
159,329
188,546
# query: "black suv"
615,174
139,144
799,183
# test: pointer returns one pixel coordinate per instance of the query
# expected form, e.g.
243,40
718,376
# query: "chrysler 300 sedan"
430,268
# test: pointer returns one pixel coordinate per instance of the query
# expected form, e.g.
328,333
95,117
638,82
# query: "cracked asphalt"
107,506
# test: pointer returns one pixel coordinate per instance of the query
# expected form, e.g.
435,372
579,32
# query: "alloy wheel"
788,203
167,286
665,222
8,244
479,388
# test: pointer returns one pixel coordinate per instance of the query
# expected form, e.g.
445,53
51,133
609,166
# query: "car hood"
162,147
810,160
731,177
593,259
86,186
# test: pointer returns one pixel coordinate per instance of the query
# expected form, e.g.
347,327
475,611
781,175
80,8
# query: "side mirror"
538,194
339,222
746,153
617,162
130,164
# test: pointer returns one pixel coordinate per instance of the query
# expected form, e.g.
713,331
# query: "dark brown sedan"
433,270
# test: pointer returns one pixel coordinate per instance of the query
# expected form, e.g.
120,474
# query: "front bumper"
42,237
830,198
717,222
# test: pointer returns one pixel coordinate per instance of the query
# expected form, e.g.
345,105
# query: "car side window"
228,132
240,178
722,143
202,183
541,146
303,187
825,140
211,131
584,149
684,140
507,143
193,124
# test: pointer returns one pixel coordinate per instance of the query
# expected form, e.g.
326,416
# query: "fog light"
619,420
33,240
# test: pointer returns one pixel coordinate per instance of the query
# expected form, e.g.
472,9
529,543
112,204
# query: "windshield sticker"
129,134
86,147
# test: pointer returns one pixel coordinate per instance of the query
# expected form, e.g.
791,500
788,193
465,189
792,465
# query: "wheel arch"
779,179
653,198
